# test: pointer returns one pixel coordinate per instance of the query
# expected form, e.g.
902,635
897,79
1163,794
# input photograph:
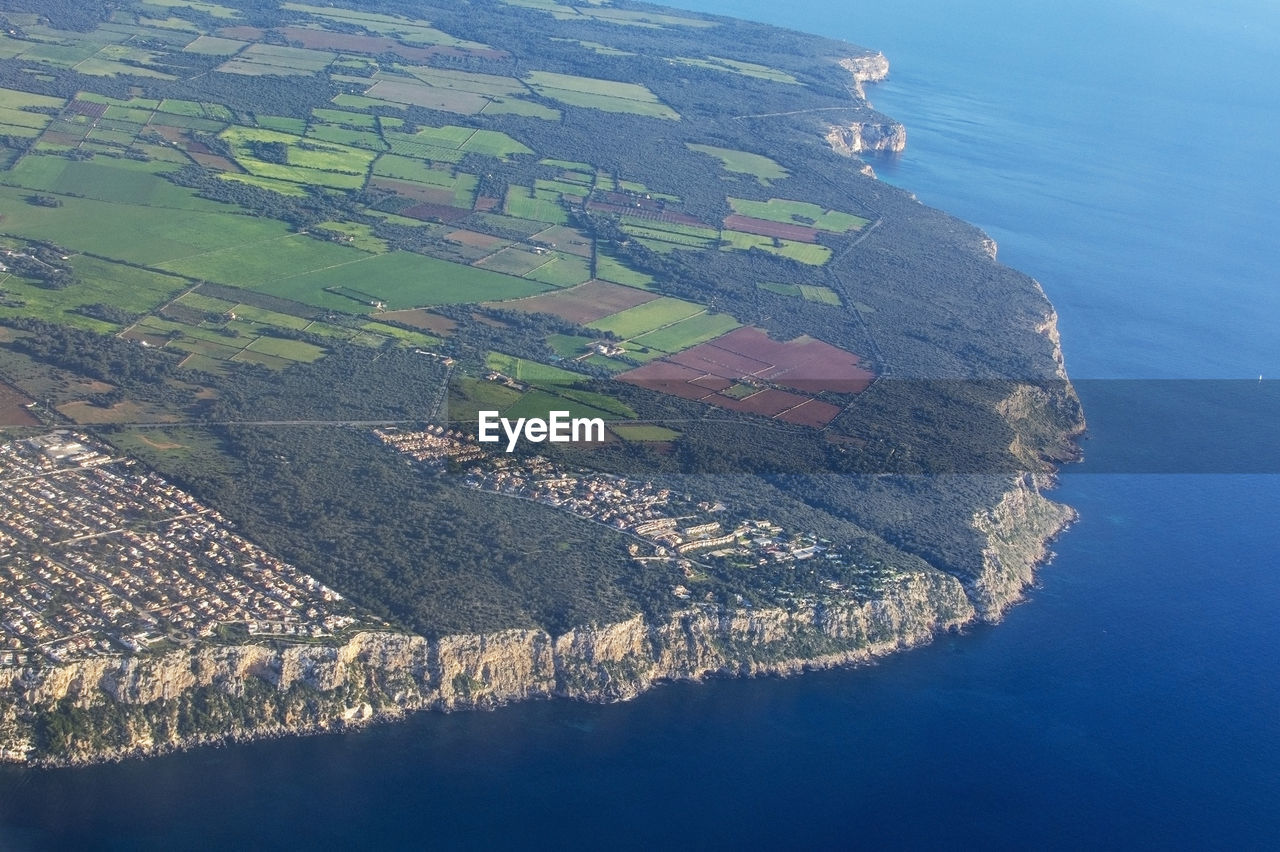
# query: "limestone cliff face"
145,705
859,137
1017,530
868,68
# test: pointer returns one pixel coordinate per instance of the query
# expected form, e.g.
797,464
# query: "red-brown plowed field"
584,303
486,204
803,364
475,239
814,413
668,378
419,318
709,358
765,228
13,407
715,383
768,402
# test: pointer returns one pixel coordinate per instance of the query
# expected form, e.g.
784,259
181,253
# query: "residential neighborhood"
99,556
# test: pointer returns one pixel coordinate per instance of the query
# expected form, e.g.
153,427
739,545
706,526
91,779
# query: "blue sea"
1123,153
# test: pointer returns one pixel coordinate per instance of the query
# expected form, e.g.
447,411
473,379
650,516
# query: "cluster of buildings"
435,446
667,525
99,556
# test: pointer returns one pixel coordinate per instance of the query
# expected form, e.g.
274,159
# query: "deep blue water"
1124,155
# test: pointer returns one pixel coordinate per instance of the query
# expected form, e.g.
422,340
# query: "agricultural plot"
585,303
687,333
610,268
133,233
277,59
810,253
737,66
402,29
254,264
124,181
643,432
512,261
515,106
346,136
649,316
798,213
564,239
399,280
525,203
560,270
207,45
99,282
531,372
763,169
416,94
460,140
608,95
741,371
309,162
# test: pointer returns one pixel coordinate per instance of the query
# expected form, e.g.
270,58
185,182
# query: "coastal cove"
1131,699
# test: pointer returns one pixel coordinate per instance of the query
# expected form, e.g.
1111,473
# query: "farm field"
400,280
686,333
585,303
760,167
607,95
798,213
649,316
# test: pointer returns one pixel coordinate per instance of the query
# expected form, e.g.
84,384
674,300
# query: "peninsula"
275,274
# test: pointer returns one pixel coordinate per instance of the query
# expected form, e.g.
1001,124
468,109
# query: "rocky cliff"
860,136
114,707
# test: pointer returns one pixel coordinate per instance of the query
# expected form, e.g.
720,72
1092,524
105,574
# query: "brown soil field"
13,407
488,242
564,239
765,228
449,100
426,320
585,302
814,413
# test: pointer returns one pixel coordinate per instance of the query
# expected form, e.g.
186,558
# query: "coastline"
383,676
380,677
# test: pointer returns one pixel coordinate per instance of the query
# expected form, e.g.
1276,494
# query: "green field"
291,350
128,288
609,268
594,93
737,66
644,432
798,213
214,46
401,280
540,208
647,317
814,255
256,263
697,329
821,295
539,403
560,270
515,106
531,372
761,168
568,345
123,181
